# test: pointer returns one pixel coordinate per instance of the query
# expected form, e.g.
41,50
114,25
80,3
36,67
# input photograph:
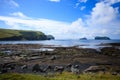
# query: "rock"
50,37
53,58
83,38
75,69
111,51
59,68
94,69
102,38
24,67
36,68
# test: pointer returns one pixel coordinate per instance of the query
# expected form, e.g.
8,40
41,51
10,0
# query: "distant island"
102,38
83,38
13,35
97,38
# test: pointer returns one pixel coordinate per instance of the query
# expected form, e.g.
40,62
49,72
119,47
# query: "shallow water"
66,43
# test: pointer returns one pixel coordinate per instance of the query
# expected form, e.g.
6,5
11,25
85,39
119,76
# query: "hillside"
8,34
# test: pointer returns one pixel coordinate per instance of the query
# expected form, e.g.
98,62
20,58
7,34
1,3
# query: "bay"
66,43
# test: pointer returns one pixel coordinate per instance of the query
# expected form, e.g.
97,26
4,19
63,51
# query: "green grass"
8,33
64,76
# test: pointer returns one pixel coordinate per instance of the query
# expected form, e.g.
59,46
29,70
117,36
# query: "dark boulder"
36,68
59,69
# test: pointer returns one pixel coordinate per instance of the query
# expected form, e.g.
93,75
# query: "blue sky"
64,19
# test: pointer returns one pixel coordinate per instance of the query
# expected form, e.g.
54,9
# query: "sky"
64,19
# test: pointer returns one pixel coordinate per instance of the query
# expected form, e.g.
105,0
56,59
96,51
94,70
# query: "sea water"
66,43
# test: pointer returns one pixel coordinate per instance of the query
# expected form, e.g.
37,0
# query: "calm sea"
66,43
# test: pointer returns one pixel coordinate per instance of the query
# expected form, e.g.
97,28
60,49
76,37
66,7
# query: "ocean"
66,43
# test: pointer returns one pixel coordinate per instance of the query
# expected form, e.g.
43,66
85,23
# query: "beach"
50,57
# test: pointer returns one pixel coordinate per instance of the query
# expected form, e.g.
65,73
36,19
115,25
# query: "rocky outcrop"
83,38
102,38
50,37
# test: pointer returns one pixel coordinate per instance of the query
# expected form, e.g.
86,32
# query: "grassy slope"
64,76
6,33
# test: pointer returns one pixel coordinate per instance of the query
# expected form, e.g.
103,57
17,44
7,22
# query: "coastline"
49,55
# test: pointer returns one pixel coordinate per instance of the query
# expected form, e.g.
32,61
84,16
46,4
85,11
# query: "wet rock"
24,67
59,69
36,68
94,69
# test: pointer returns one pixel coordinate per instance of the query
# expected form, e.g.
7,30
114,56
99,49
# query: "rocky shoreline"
44,59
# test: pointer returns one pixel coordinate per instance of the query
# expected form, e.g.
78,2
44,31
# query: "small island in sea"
102,38
84,38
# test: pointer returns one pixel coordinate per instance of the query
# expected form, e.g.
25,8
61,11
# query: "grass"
64,76
8,33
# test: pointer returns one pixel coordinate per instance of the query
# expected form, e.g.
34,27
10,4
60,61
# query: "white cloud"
54,0
82,8
76,5
13,3
111,1
104,19
84,1
117,32
103,14
19,15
